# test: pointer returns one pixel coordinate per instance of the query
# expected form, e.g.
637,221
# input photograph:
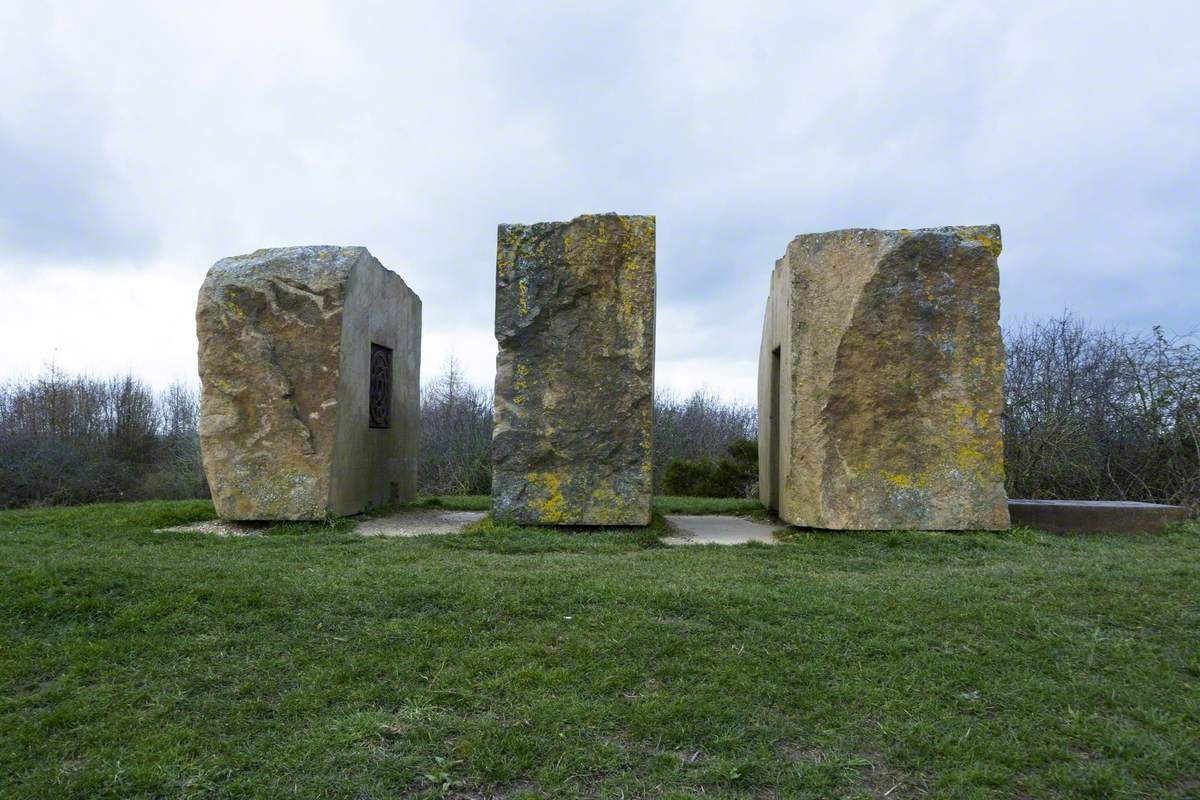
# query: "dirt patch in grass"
884,782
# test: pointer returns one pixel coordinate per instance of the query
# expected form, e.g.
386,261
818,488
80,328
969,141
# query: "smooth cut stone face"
310,366
575,371
881,381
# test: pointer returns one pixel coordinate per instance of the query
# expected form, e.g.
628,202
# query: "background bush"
700,426
1091,413
735,475
456,436
79,439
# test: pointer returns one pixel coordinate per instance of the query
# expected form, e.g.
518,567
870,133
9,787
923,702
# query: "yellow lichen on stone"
522,297
506,258
520,383
902,481
633,240
989,243
606,505
968,458
648,459
962,438
962,452
962,413
550,506
232,308
625,293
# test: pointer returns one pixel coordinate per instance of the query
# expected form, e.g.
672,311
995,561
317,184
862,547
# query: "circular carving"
381,387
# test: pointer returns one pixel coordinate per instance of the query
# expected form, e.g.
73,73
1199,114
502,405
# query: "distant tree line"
78,439
1091,413
456,433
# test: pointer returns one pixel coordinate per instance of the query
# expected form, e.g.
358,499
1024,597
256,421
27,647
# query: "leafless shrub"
1093,413
72,439
456,435
179,472
456,432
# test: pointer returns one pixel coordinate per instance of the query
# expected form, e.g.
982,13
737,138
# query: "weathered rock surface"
880,381
288,338
575,371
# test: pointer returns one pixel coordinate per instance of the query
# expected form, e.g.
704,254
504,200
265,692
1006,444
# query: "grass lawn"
308,662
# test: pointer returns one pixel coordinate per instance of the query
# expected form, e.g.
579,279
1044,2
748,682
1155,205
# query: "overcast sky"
140,142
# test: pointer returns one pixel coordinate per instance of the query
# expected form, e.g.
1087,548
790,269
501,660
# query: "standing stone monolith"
575,371
881,381
310,363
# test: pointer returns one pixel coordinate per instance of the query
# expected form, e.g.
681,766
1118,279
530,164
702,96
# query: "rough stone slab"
286,352
880,381
1094,516
718,529
575,371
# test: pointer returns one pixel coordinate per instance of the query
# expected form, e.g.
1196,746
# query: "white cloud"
125,318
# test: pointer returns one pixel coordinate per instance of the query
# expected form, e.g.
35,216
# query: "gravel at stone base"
218,527
706,529
404,523
418,523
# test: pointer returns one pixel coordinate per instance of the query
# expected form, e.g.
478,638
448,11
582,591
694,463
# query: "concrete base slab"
418,523
718,530
1094,516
